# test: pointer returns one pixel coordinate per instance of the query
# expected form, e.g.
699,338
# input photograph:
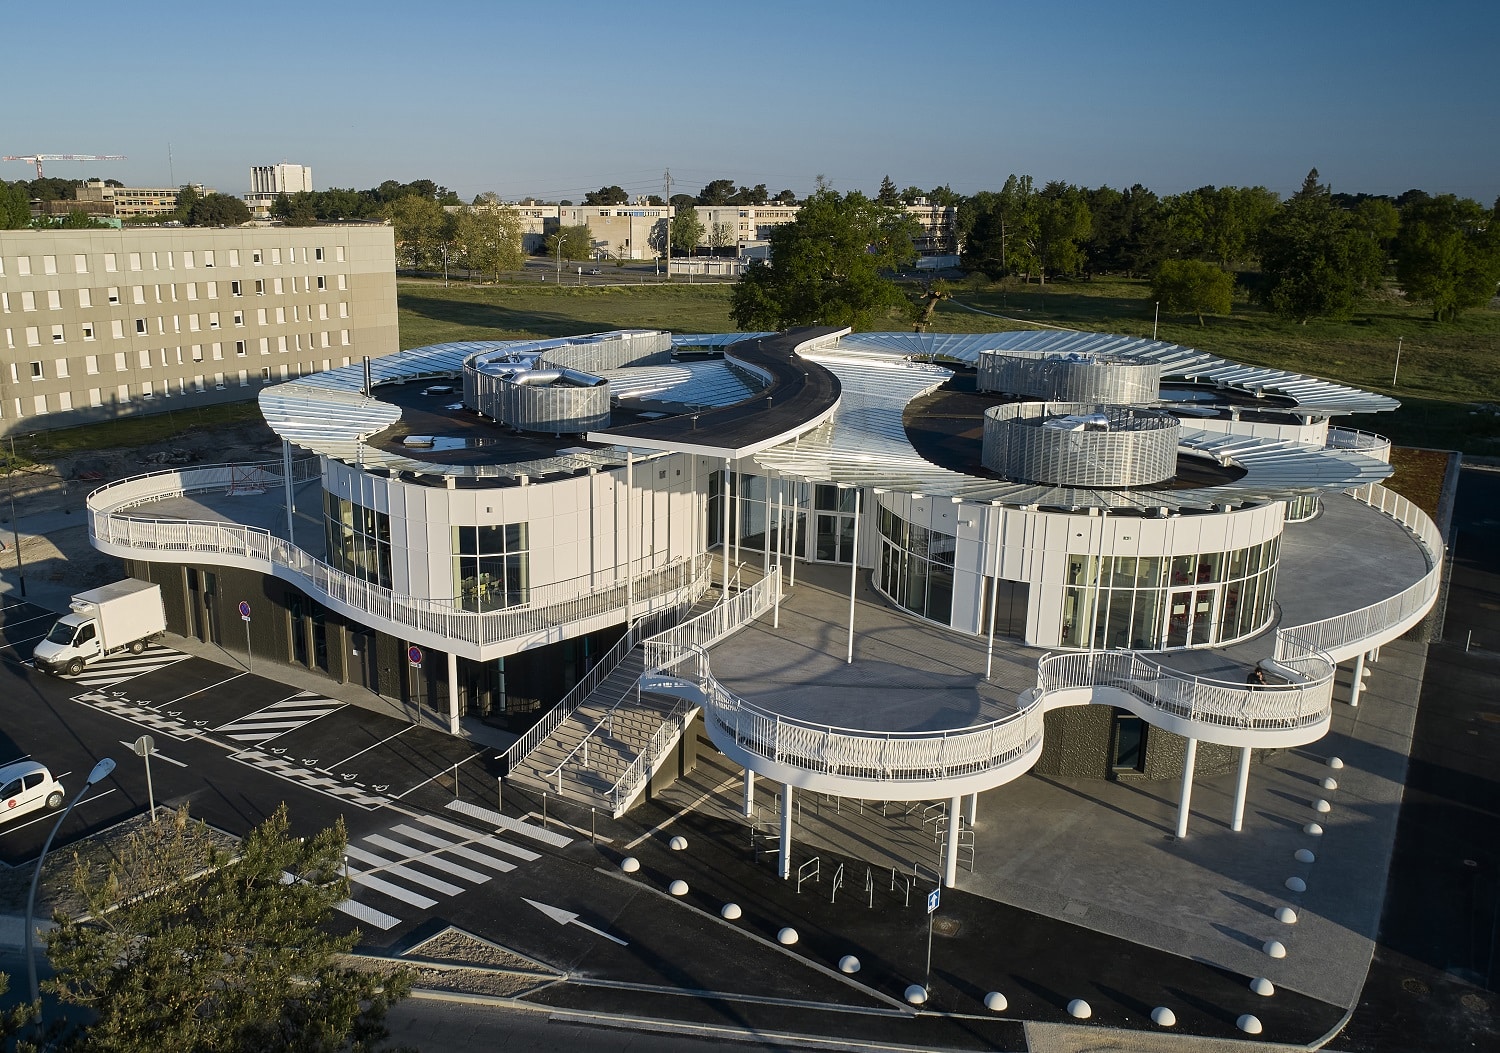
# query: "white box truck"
125,614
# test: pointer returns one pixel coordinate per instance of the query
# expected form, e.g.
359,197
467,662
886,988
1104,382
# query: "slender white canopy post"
780,509
629,554
1241,785
1359,679
1185,801
853,578
749,793
724,526
950,850
784,863
452,693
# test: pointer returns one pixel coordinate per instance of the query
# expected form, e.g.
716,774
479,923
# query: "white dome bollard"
1263,987
1161,1016
1249,1024
1286,915
630,864
678,843
1079,1009
849,964
1322,807
1335,763
1304,855
730,911
787,936
995,1002
916,994
678,887
1275,949
1330,783
1296,884
1313,829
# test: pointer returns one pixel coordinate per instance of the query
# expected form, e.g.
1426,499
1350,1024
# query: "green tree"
786,197
577,242
718,192
1315,261
887,195
1193,287
78,219
187,199
218,210
607,195
418,223
1063,225
721,236
1448,253
15,206
827,266
1000,231
187,950
687,230
1221,224
489,239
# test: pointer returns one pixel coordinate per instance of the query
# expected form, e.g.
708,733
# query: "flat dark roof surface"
799,392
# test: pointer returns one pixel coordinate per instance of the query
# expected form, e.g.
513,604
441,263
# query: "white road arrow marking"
567,917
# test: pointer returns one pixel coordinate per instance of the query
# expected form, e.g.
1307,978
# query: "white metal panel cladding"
1176,362
1070,377
865,444
710,382
1138,448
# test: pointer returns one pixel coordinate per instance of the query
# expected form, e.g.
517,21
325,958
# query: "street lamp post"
561,237
103,768
1156,318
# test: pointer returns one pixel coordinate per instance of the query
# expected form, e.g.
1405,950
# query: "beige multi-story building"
98,324
134,200
269,181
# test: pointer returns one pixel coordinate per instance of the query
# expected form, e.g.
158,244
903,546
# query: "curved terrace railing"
1377,446
547,607
1337,634
1187,697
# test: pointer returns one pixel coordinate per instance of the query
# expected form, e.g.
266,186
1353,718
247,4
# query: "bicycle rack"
811,869
838,881
905,883
870,886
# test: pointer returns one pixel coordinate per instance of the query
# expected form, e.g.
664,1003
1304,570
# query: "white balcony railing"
651,586
1367,442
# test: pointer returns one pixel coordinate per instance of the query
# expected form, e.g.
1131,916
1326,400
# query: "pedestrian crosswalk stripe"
279,718
411,833
388,888
480,839
367,914
515,826
391,868
429,859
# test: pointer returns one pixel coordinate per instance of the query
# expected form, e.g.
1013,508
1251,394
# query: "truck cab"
73,643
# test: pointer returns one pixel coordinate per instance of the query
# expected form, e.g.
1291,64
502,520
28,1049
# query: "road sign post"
933,899
414,656
245,617
144,747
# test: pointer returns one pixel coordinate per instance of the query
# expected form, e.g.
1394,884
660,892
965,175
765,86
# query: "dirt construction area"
47,498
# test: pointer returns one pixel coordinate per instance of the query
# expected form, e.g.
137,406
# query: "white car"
26,786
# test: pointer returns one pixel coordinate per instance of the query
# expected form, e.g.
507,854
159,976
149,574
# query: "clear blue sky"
555,99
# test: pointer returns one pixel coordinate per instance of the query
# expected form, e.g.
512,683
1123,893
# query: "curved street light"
103,768
561,237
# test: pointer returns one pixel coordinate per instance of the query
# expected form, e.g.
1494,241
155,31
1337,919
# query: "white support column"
1185,800
452,693
950,850
971,808
1241,786
629,523
780,518
765,532
739,512
749,793
792,542
1358,683
853,578
291,499
723,525
989,651
784,862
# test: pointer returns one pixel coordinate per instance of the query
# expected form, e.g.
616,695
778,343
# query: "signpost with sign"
414,656
144,747
245,617
933,899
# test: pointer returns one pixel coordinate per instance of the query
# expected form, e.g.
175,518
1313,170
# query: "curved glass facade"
358,539
1302,508
1155,602
916,567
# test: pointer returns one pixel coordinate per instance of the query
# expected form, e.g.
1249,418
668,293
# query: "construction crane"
37,159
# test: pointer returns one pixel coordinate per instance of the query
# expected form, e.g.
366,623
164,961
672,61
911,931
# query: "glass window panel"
1122,571
1182,569
1148,572
1209,565
1145,621
940,594
1236,565
1117,628
943,548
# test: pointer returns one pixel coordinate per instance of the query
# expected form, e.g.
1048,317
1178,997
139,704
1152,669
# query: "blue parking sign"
932,899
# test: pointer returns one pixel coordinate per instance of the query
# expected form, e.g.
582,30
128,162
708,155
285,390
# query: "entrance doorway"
1190,617
1129,753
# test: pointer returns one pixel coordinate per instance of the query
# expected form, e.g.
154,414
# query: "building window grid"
916,567
491,566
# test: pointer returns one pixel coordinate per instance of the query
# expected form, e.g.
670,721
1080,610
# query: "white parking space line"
35,618
157,754
367,914
48,816
389,889
462,851
200,691
480,839
428,859
395,869
367,749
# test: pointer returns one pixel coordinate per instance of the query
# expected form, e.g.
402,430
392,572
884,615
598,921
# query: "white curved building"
531,517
